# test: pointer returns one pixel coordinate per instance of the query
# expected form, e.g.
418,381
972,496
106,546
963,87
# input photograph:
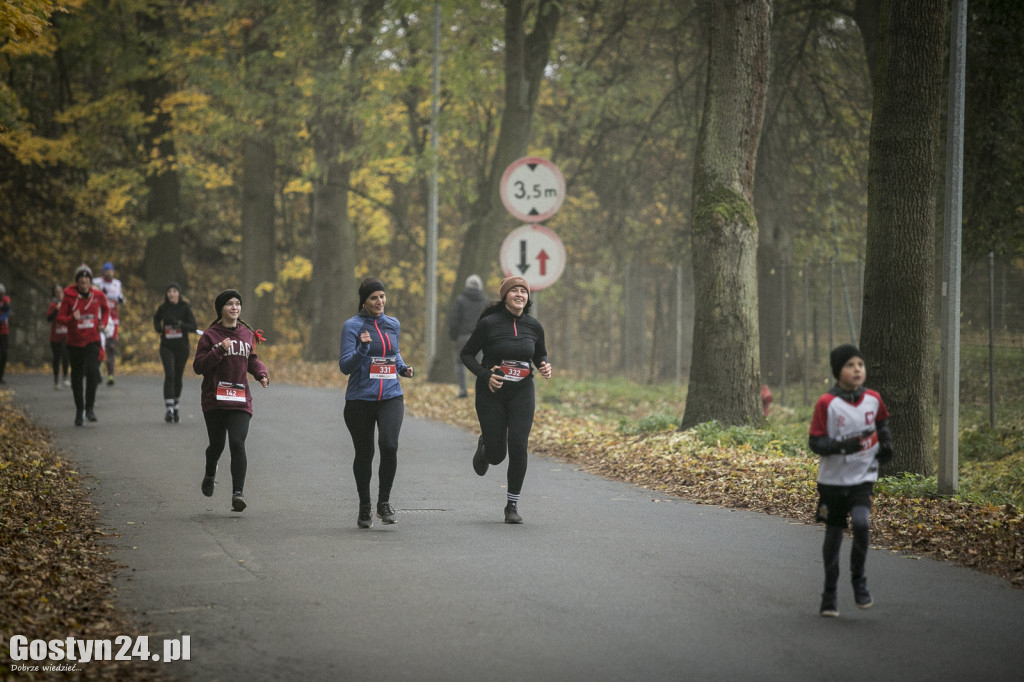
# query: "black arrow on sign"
523,265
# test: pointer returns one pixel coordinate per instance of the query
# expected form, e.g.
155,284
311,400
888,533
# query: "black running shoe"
89,414
829,609
861,595
386,513
79,418
169,417
479,461
237,502
207,486
176,417
512,513
365,519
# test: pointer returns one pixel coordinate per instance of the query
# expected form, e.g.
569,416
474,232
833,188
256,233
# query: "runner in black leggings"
225,356
510,340
174,321
373,399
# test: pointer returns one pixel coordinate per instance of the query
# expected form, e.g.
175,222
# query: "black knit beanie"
367,287
223,297
840,355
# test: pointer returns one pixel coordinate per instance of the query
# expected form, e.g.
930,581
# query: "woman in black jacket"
505,400
173,321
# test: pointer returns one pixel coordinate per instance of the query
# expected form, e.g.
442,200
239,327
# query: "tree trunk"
258,240
334,286
162,261
725,375
896,336
866,14
526,55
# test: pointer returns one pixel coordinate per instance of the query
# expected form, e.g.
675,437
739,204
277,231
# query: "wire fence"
636,322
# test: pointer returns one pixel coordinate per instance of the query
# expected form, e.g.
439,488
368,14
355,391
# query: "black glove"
884,453
847,446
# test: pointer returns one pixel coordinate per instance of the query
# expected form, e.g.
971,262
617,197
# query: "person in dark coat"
462,321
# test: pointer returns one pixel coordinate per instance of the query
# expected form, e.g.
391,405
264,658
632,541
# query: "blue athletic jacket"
357,358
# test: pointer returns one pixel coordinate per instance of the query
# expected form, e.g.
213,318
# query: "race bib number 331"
383,368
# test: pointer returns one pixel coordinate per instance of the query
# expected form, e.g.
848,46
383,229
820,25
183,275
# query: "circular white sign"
534,253
532,189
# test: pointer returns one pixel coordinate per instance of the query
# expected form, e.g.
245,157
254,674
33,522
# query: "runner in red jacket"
84,312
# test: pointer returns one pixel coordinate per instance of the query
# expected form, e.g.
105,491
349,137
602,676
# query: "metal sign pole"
949,371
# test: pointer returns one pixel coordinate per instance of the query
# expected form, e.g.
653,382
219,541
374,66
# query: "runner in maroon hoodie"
225,354
83,310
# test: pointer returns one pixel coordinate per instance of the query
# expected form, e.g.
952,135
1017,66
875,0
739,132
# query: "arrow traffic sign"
532,189
534,253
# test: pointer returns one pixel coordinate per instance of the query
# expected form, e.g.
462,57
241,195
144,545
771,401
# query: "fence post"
679,325
991,339
807,322
783,271
831,303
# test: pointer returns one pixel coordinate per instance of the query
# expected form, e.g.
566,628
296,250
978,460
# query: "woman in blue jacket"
373,363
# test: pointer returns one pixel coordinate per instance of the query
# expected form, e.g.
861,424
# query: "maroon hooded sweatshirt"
225,381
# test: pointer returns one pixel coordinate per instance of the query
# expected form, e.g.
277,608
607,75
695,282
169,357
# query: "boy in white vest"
850,430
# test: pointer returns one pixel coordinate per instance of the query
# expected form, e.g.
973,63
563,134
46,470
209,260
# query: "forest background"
284,148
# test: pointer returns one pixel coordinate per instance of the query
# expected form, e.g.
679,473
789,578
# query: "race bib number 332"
515,370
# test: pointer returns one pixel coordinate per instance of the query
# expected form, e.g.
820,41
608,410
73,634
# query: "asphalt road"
604,581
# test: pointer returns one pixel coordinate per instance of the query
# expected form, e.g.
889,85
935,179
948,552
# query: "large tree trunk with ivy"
526,55
896,336
259,272
725,374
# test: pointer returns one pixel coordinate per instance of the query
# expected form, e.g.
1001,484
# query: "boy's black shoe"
479,461
237,502
829,609
89,414
861,595
207,486
79,418
365,519
169,417
386,513
512,513
176,417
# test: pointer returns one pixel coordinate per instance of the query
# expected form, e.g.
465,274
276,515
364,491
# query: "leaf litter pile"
55,572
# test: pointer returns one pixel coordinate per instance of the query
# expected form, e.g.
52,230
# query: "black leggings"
841,501
361,416
85,364
233,425
174,357
506,418
60,359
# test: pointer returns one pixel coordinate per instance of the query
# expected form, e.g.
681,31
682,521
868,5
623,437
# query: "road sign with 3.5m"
534,253
532,189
